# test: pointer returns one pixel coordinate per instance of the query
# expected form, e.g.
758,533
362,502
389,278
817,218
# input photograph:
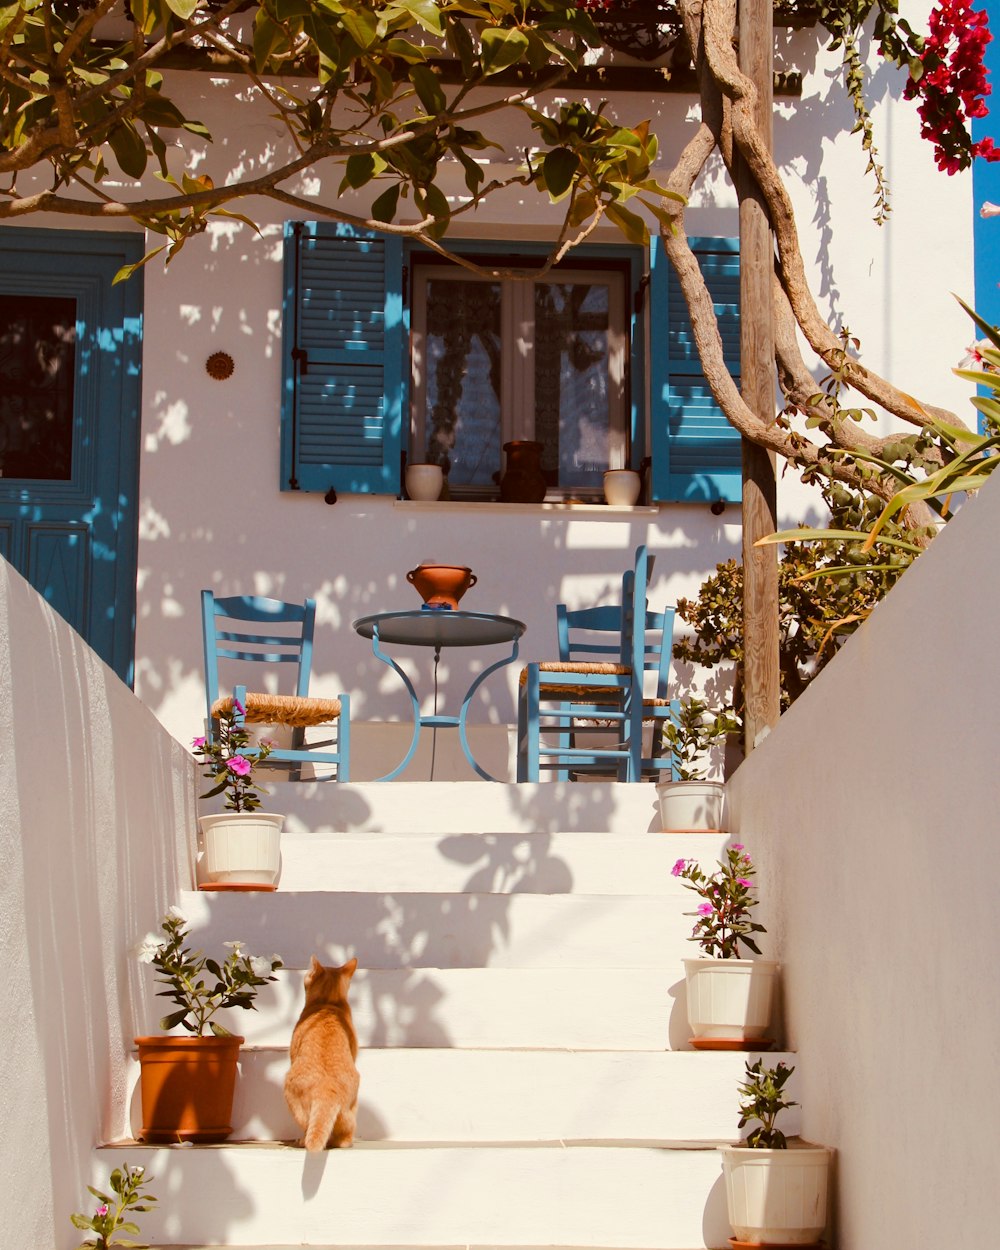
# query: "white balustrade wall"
96,837
872,811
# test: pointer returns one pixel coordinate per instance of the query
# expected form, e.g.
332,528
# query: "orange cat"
321,1088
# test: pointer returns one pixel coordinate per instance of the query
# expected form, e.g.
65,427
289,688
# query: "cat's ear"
350,968
315,968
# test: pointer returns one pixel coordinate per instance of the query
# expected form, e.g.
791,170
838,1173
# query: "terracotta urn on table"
441,585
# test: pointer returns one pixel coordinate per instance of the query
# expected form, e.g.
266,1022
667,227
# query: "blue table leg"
449,722
417,719
463,715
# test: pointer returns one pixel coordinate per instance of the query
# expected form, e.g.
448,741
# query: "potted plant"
729,998
187,1082
242,844
776,1191
689,803
108,1221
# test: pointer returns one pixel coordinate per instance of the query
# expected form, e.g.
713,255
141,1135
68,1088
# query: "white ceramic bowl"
622,487
424,481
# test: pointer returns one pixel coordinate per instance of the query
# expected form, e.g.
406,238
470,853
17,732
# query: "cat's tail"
322,1118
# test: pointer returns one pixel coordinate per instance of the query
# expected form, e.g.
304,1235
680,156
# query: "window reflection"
37,365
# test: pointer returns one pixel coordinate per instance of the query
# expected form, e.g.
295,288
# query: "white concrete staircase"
526,1079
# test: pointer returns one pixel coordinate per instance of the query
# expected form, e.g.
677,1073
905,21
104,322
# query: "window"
494,360
390,350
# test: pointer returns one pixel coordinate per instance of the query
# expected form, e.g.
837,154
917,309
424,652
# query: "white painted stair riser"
511,1096
584,1196
631,862
448,931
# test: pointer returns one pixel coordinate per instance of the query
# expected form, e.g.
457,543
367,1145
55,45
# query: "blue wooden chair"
246,630
597,686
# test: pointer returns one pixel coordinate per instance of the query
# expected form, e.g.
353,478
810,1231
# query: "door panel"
58,560
70,356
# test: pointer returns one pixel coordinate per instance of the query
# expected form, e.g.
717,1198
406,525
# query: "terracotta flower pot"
441,585
187,1086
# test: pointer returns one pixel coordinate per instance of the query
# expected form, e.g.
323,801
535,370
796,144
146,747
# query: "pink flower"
705,909
198,743
239,765
678,868
239,706
737,846
745,882
973,358
102,1210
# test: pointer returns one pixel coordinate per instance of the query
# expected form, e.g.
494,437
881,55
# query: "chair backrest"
251,629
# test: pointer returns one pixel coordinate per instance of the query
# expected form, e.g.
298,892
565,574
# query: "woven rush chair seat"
282,709
593,694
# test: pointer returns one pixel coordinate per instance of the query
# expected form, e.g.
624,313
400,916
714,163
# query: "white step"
568,1008
632,861
513,1096
448,930
472,807
385,1195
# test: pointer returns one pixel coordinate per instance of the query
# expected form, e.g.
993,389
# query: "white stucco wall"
96,835
872,812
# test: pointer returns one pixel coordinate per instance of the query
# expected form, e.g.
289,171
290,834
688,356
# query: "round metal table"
439,629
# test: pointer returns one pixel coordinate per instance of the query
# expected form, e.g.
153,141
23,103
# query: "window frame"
626,261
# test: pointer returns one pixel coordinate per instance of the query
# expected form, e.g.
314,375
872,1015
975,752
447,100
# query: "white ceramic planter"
622,487
424,481
777,1197
691,806
242,848
730,1000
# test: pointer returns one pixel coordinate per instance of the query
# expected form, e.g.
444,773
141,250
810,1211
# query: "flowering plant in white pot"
188,1082
230,763
729,998
242,844
724,912
776,1190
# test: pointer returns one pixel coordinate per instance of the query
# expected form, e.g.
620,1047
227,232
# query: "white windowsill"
591,508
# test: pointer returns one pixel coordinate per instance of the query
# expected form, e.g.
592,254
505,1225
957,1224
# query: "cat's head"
329,984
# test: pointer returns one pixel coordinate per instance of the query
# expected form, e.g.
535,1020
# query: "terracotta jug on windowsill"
523,480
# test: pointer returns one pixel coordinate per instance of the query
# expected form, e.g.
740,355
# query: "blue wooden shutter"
696,452
344,332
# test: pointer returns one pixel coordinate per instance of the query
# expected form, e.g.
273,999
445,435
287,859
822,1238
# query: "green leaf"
361,24
173,1020
129,149
426,13
183,8
558,171
501,49
358,170
267,38
632,227
428,88
384,208
157,110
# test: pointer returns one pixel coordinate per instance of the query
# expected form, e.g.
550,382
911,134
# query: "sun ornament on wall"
220,366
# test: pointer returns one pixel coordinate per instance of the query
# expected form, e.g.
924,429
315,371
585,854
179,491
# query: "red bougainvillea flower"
950,80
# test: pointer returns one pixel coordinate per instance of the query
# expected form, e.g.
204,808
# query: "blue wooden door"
70,352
